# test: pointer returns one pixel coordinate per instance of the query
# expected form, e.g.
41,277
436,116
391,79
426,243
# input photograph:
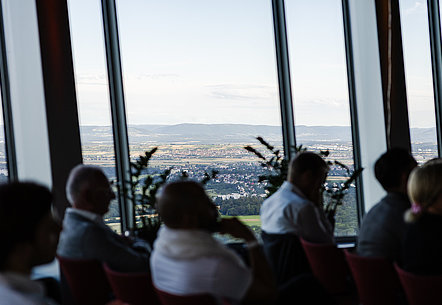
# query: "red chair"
132,288
198,299
87,281
328,266
376,280
421,289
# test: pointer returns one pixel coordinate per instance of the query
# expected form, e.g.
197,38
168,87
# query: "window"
200,83
93,93
320,92
418,75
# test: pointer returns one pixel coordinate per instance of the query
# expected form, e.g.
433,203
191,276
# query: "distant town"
198,148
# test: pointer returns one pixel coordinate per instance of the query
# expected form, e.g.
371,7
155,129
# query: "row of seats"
341,272
377,280
93,283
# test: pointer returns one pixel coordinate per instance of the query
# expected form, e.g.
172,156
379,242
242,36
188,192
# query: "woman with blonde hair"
422,250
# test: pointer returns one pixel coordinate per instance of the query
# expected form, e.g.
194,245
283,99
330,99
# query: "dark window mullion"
119,127
436,59
283,66
11,157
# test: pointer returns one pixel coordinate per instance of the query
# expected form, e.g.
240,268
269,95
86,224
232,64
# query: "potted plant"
142,191
278,169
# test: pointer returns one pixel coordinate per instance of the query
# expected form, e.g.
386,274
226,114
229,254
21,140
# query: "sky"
208,61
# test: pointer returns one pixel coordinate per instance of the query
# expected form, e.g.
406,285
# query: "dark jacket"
383,228
83,238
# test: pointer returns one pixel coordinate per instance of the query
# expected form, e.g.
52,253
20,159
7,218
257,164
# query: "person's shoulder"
387,208
12,297
72,219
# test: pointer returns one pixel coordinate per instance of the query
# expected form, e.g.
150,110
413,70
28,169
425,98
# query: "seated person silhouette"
188,260
422,249
85,235
29,237
383,228
295,211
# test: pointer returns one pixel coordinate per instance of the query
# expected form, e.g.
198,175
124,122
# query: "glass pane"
3,160
419,80
92,92
200,83
320,92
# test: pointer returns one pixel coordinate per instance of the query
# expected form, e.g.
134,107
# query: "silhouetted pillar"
395,108
60,97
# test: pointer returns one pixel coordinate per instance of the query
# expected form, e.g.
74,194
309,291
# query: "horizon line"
240,124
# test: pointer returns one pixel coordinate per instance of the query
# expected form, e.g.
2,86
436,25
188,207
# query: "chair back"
328,266
86,280
285,256
197,299
376,280
421,289
132,288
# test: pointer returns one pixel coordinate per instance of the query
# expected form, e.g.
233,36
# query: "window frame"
11,157
434,24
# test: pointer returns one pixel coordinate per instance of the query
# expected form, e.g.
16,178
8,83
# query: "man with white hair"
85,235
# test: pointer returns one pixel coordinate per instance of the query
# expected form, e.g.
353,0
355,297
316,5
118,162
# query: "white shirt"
18,289
186,262
288,212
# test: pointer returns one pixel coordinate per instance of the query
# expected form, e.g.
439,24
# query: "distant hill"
185,133
230,133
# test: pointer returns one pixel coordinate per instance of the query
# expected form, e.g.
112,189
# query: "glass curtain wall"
315,34
200,84
91,81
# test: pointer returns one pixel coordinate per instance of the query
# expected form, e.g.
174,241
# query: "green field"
250,220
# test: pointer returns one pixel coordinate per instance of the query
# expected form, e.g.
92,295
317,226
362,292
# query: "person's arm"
263,289
313,226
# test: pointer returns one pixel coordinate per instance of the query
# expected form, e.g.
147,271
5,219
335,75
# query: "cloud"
242,92
417,6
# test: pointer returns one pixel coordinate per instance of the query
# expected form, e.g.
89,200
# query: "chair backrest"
376,280
421,289
198,299
328,266
87,281
285,255
132,288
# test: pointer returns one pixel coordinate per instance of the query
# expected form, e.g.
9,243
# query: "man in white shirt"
85,235
187,260
295,211
296,208
28,236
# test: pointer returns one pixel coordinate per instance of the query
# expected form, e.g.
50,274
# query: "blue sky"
213,61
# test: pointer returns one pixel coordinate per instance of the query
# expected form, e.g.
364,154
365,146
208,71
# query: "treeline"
347,216
241,206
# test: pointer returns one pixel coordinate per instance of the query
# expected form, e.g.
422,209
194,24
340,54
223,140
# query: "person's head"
425,190
28,233
88,189
393,168
185,205
308,171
